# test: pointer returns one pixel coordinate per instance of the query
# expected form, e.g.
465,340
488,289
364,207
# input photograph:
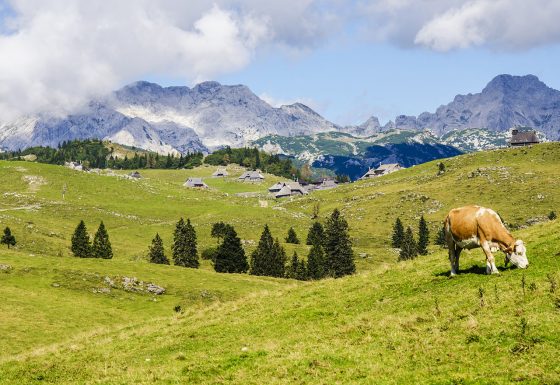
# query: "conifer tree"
440,237
292,237
277,260
291,271
398,234
316,262
261,257
301,272
80,242
423,236
156,252
316,234
184,245
8,239
230,256
101,247
409,249
339,256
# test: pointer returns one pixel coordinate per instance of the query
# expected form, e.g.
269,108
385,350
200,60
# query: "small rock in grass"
155,289
5,268
244,349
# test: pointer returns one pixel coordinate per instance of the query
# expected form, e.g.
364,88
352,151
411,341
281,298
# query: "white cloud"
502,24
60,53
57,54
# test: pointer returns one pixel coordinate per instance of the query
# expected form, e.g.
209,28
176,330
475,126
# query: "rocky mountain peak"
509,83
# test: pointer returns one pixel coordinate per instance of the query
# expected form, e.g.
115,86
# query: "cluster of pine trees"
94,153
8,239
254,159
99,248
330,255
184,249
405,241
154,160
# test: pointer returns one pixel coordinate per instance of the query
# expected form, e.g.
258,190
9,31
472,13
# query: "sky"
348,60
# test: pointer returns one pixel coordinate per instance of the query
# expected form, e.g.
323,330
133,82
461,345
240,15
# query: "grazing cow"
474,226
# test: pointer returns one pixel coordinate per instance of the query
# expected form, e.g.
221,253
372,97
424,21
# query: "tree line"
93,153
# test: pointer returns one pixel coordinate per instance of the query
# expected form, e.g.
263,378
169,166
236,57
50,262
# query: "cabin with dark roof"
252,176
523,137
286,189
195,183
383,169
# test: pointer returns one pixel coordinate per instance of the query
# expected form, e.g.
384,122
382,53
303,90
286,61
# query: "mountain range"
212,115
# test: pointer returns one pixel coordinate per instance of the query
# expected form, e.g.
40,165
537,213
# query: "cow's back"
477,223
461,222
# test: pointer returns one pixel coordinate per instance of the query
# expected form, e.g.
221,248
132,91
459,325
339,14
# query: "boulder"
5,268
155,289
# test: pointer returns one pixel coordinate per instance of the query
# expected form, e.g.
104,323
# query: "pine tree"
277,260
292,237
8,239
101,247
301,272
339,256
440,238
184,245
398,234
316,234
156,252
409,249
261,257
423,236
292,270
316,262
230,256
80,242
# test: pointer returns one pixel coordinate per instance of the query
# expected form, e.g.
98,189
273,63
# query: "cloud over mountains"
58,54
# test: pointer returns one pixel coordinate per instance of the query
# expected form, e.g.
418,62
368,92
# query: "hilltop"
390,323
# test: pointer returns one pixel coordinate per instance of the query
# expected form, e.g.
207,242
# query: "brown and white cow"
474,226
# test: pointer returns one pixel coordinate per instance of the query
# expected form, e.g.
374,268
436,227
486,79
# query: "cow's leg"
490,263
457,254
451,248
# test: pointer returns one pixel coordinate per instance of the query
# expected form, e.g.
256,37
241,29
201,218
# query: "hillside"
391,323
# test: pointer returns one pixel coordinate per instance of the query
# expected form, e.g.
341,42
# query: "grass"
390,323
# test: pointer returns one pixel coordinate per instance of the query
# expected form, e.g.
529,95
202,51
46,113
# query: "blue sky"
347,59
348,83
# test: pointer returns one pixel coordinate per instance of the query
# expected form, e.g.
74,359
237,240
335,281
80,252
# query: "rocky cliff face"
168,119
506,101
209,115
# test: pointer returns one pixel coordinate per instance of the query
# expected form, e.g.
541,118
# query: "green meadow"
391,323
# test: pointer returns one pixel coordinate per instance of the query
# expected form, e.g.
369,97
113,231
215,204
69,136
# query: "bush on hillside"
8,239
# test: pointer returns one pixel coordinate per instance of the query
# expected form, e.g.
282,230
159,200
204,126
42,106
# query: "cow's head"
518,255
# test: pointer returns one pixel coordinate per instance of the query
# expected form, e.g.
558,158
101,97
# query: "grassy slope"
381,326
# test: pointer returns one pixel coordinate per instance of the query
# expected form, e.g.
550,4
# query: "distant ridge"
211,115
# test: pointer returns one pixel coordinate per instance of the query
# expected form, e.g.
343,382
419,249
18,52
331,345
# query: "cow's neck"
506,242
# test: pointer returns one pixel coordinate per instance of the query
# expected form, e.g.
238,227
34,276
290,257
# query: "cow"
474,226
